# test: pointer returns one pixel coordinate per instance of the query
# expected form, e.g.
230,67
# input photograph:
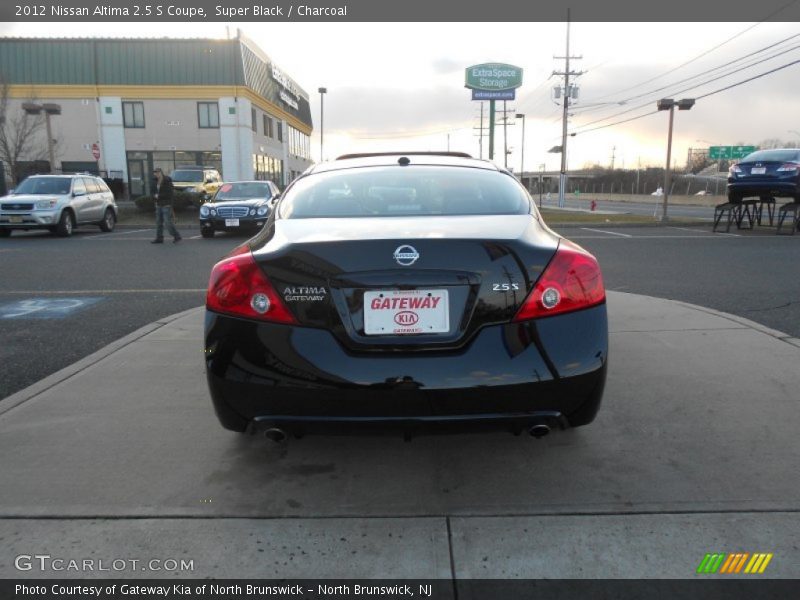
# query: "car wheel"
65,224
108,222
5,233
207,233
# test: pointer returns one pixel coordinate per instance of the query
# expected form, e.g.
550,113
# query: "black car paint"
324,372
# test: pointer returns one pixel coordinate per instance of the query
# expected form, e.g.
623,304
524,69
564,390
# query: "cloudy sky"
399,86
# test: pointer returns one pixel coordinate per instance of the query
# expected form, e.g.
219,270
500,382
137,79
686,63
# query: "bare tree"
20,134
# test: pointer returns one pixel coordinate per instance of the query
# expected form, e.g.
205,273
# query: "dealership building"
122,107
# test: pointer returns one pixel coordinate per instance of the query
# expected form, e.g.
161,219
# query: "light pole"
541,183
322,91
670,104
522,151
32,108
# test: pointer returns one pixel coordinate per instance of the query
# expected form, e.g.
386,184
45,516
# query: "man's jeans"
164,217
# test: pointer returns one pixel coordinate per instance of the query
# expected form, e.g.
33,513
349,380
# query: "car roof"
385,159
61,175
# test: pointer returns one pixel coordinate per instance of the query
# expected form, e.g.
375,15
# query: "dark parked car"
237,206
411,291
766,173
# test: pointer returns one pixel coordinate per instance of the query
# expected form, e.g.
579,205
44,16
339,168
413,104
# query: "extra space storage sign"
493,81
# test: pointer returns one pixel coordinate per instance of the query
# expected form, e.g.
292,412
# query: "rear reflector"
572,281
238,287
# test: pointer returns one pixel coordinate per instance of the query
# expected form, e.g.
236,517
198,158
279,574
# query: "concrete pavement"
694,451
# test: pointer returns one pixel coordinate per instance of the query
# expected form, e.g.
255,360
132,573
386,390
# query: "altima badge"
406,255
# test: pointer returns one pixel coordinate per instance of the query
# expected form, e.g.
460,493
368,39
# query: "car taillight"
788,167
572,281
238,287
734,170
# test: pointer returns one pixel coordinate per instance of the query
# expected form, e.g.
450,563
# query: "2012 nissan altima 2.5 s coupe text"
412,292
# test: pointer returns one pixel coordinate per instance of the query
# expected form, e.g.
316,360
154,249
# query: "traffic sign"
729,152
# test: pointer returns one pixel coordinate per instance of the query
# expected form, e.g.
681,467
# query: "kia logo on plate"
406,255
406,318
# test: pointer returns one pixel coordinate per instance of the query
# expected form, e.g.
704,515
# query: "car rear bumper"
509,376
780,189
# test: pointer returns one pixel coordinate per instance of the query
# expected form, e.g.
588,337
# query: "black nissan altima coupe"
409,292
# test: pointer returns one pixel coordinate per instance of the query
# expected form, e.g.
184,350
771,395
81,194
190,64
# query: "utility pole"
505,112
613,156
481,130
562,178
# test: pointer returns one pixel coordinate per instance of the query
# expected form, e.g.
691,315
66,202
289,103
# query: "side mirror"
274,200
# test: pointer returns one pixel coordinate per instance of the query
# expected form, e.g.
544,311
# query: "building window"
208,115
280,131
253,120
133,115
268,127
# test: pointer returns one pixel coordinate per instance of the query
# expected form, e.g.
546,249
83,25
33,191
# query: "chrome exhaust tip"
539,431
276,435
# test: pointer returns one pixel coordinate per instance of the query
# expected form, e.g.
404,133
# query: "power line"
705,53
728,87
692,87
696,76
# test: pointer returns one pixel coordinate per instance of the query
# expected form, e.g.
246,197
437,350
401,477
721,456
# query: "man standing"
164,196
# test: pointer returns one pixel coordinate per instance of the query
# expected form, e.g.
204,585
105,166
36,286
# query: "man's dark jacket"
166,193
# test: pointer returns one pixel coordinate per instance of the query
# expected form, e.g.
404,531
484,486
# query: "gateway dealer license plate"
405,312
231,222
758,171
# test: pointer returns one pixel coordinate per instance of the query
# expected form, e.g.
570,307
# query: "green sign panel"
729,152
493,77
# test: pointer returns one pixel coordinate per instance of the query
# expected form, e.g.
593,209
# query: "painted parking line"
113,233
625,235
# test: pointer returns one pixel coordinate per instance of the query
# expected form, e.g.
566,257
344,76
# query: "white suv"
58,203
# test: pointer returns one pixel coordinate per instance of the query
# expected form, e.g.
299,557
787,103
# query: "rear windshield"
248,189
772,155
182,175
397,191
44,185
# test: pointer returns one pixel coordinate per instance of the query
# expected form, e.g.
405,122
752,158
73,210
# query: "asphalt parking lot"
122,282
120,455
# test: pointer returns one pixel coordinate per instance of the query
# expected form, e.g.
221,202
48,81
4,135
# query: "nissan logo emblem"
406,255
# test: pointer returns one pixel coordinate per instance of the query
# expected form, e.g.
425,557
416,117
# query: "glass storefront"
268,168
141,165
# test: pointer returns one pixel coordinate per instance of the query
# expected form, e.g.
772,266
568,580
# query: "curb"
18,398
778,335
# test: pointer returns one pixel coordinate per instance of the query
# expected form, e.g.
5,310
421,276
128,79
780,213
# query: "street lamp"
32,108
670,104
322,91
522,152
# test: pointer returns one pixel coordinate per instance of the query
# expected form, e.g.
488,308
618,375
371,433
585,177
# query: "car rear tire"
66,224
207,233
109,221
